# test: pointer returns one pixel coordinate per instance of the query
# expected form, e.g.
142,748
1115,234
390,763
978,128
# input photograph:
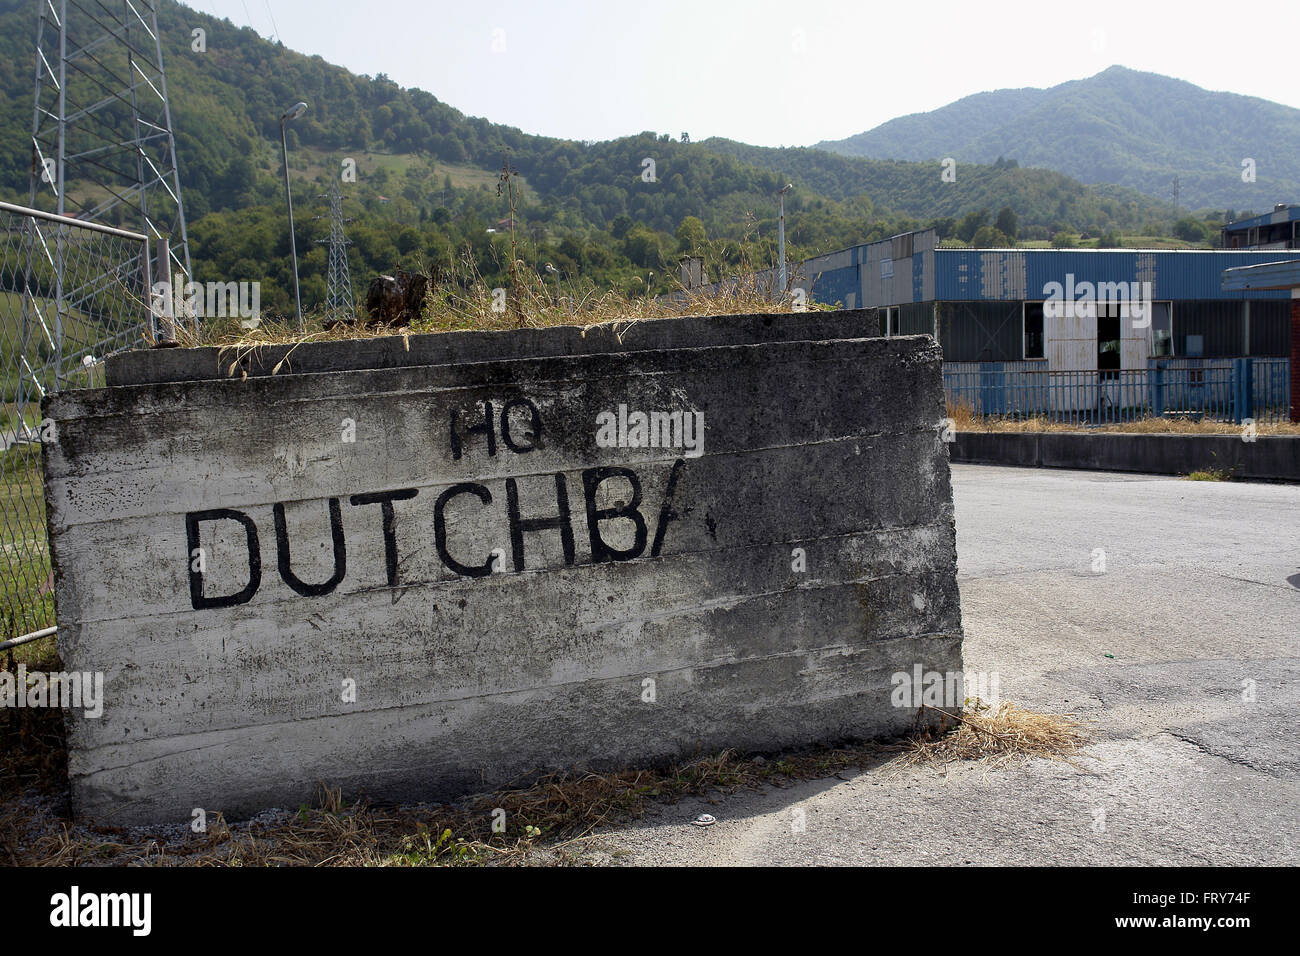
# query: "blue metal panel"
1272,275
960,273
835,285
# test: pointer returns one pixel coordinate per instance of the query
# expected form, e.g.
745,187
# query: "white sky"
764,72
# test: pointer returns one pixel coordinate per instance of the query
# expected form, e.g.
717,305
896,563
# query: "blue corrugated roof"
1288,214
1014,274
983,274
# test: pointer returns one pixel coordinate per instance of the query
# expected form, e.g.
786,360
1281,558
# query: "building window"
1108,354
1034,348
1162,329
892,320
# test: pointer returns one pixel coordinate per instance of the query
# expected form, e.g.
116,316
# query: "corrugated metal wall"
910,268
916,318
1219,324
979,292
833,285
1270,328
981,331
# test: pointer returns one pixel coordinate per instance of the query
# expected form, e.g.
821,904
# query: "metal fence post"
1242,390
168,313
1158,390
146,268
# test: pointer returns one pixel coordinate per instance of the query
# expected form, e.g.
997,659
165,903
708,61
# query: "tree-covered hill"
1121,126
426,193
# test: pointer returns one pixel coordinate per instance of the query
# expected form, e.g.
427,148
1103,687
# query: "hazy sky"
764,72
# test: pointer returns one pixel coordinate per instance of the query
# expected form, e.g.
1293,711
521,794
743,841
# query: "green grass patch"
26,592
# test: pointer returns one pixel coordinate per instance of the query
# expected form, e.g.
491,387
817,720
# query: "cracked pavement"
1166,612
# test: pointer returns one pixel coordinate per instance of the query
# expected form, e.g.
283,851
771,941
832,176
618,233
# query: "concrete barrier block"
1263,457
1003,448
418,581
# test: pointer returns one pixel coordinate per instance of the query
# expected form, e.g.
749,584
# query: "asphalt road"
1200,593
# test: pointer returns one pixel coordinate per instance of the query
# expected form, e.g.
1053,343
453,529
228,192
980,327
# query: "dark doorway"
1108,363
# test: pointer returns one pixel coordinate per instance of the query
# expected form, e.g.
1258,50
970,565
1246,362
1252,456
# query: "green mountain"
1046,201
428,193
1121,126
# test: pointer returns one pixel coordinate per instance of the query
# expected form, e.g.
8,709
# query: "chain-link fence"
71,293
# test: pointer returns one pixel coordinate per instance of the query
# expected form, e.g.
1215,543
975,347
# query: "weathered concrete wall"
327,561
1268,457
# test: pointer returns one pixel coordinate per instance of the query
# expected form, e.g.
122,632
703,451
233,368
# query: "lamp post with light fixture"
292,113
780,235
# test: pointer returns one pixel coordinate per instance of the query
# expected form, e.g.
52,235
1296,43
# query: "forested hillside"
427,189
1121,126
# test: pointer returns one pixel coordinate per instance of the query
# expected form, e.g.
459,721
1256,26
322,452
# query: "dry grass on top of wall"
466,302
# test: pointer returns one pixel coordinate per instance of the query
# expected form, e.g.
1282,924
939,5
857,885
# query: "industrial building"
1071,330
1279,229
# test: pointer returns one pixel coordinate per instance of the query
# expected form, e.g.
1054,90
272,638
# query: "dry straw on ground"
545,821
966,420
1000,734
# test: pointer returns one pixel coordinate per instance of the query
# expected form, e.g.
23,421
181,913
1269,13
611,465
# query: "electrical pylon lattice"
339,304
103,148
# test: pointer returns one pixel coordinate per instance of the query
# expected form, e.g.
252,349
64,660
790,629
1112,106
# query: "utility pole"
292,113
780,236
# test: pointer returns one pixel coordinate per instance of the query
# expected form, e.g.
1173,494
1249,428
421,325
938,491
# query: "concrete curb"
1268,457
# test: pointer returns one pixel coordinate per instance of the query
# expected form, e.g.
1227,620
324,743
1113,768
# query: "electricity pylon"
103,148
339,305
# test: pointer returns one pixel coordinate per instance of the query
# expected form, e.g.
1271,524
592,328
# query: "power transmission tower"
103,149
339,305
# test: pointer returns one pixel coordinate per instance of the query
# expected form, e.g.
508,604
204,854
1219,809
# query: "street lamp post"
292,113
555,272
780,236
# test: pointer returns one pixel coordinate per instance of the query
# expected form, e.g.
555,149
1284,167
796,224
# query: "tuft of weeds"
999,734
